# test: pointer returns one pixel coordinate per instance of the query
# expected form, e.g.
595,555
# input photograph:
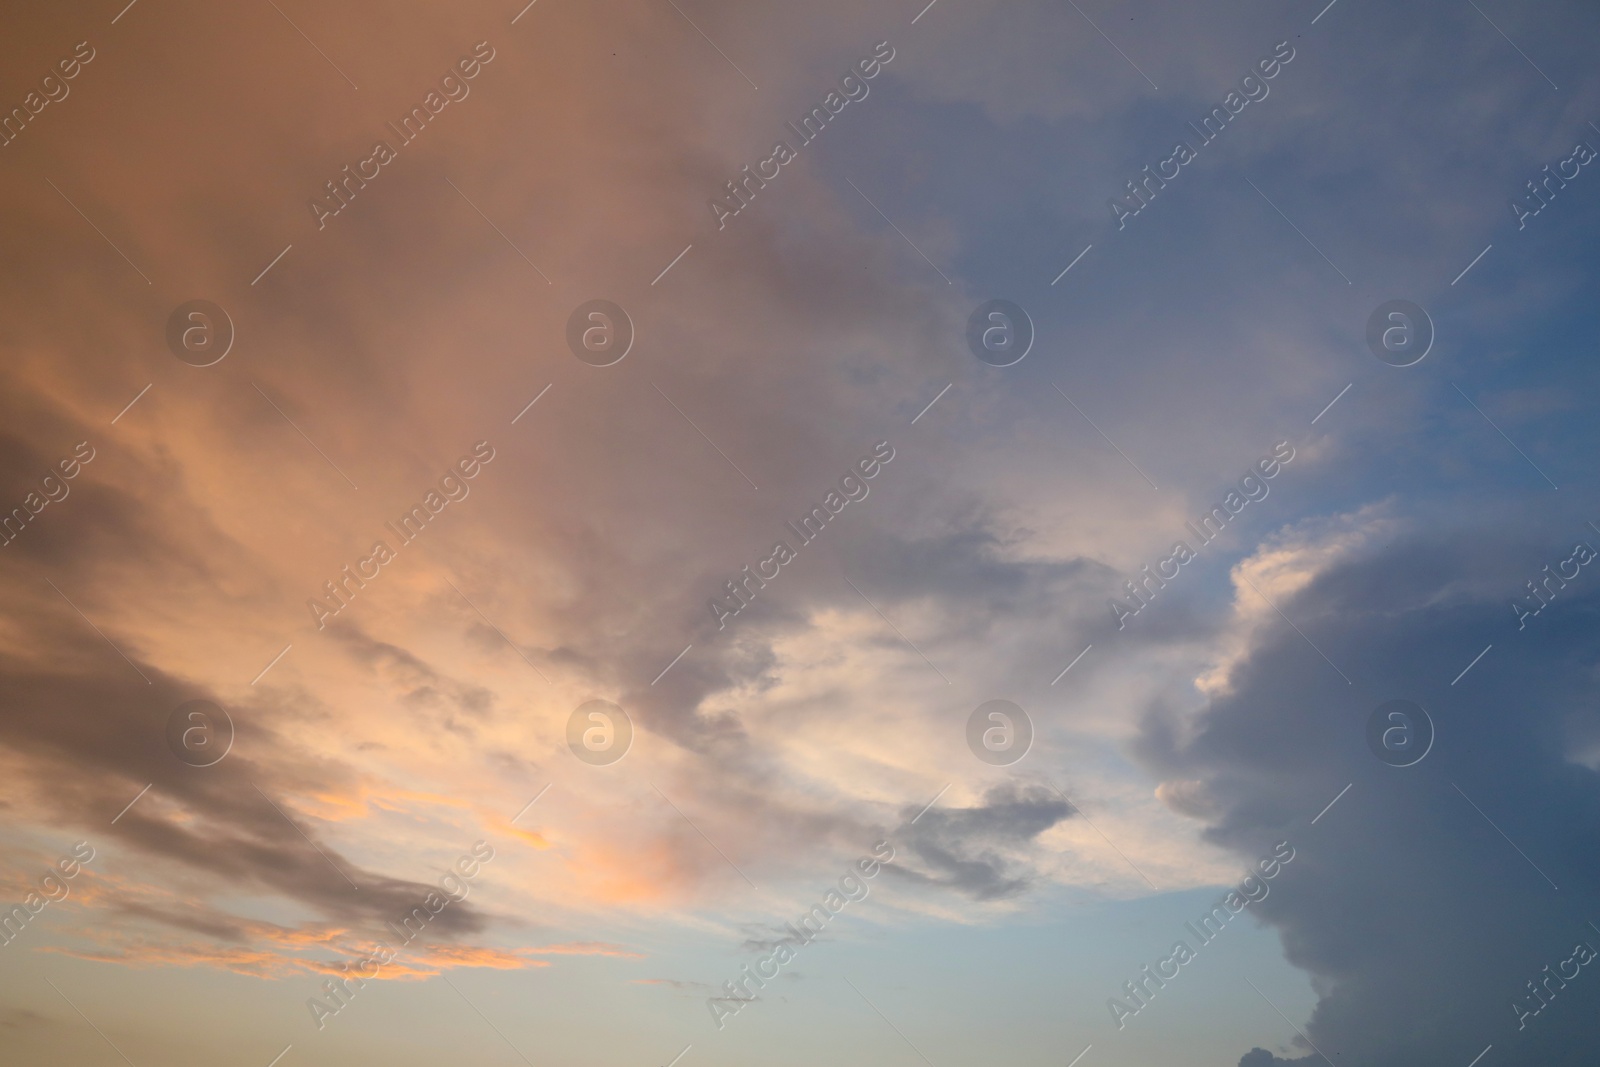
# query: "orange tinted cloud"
433,959
645,873
587,948
532,837
274,957
256,962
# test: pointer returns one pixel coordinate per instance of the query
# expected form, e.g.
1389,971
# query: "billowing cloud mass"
502,509
1424,902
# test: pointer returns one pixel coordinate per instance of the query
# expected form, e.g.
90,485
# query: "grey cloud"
1417,920
974,851
93,740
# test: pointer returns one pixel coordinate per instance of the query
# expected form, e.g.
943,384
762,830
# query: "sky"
685,533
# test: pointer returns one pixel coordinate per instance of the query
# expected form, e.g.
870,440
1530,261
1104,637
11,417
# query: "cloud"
696,989
412,326
1419,918
977,851
585,948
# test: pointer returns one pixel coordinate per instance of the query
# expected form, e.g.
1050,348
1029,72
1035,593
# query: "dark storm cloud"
1418,921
